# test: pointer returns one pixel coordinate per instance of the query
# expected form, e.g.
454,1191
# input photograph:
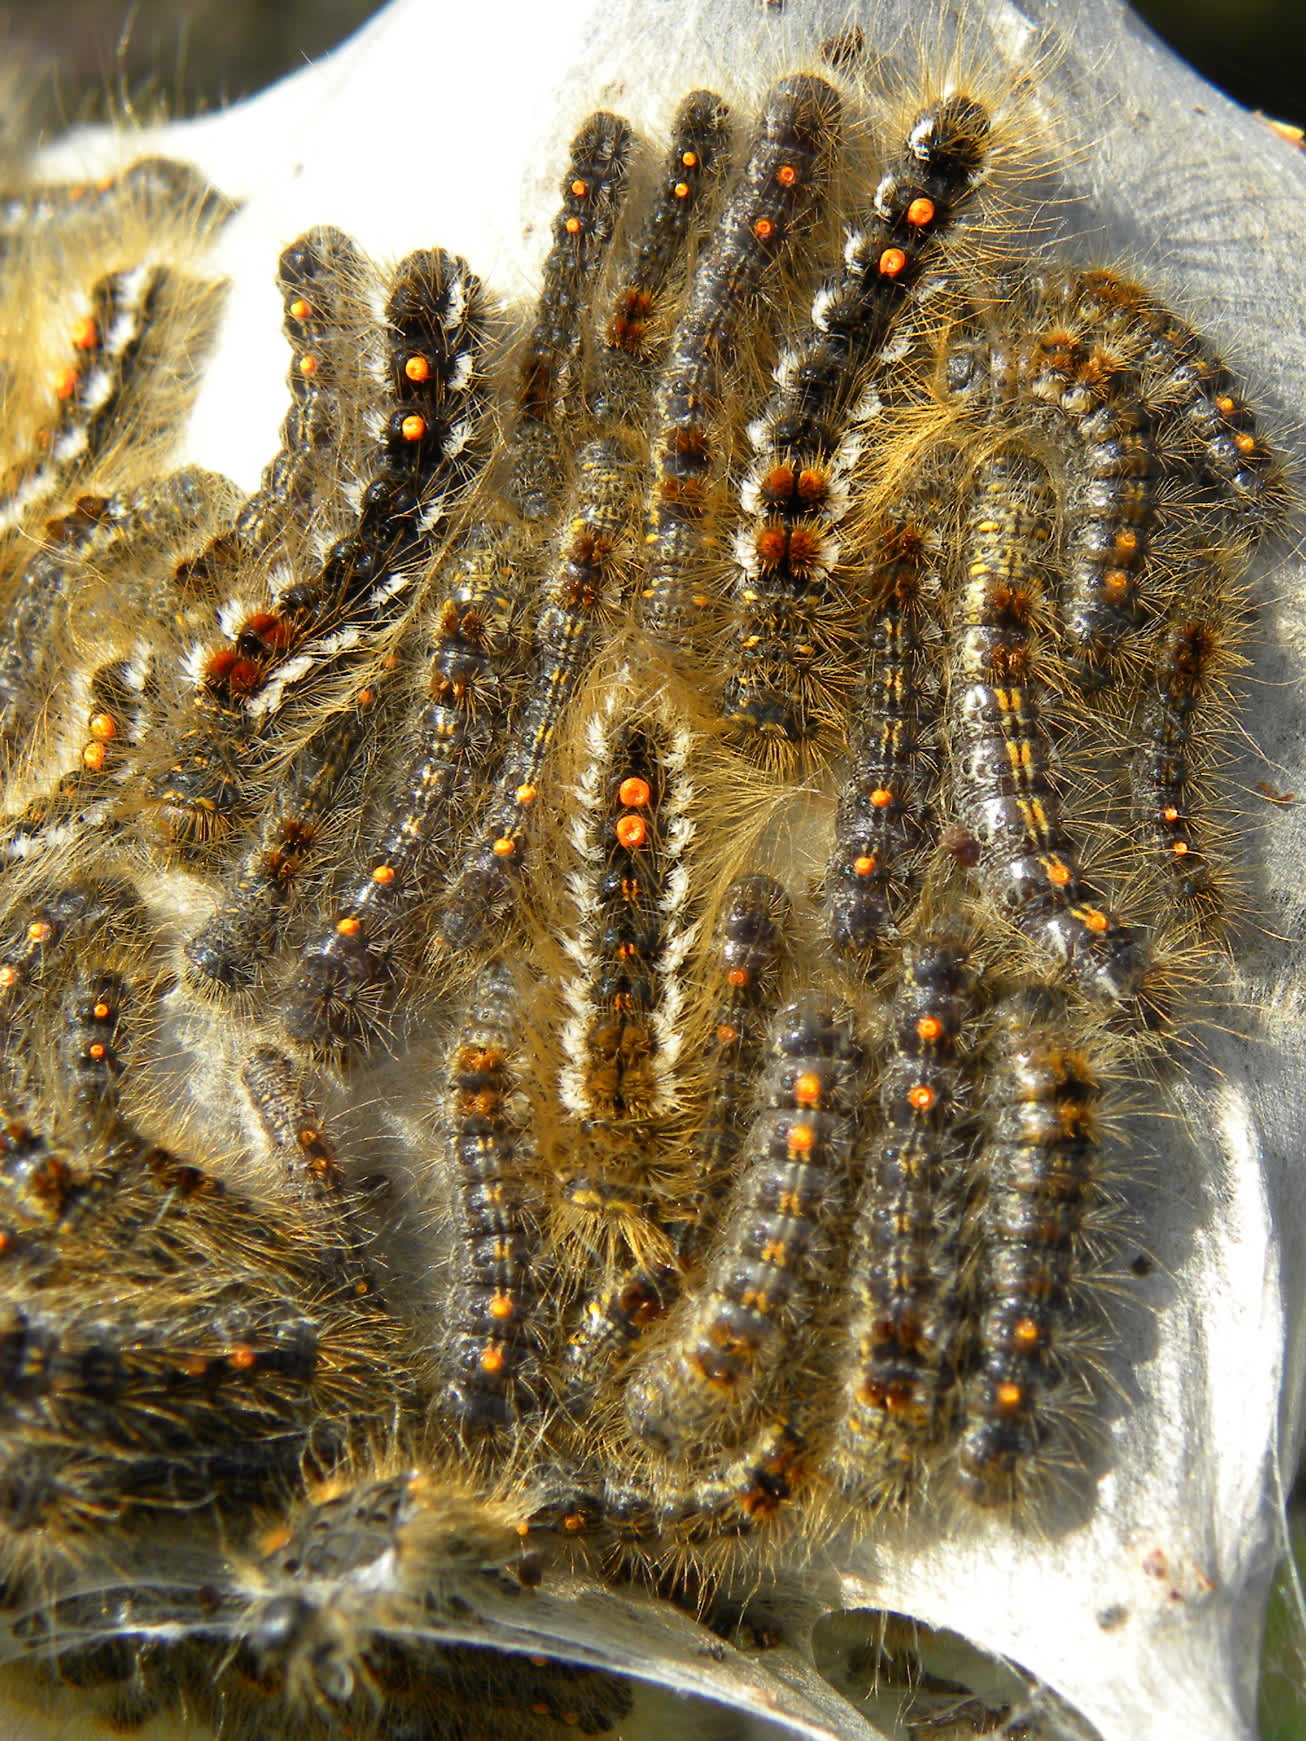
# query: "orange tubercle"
802,1139
807,1089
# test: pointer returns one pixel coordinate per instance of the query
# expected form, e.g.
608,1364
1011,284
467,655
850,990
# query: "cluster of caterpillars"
765,1178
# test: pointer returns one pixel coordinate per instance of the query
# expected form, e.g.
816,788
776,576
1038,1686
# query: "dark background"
197,54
